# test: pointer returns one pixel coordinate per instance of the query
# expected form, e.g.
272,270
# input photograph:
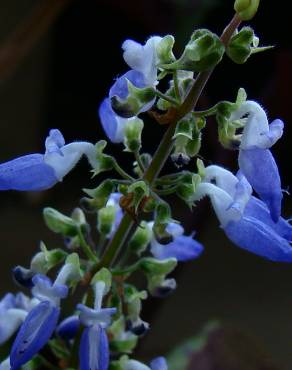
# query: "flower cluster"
137,231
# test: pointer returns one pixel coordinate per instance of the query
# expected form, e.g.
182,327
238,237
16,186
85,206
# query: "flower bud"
141,238
140,190
59,223
106,219
202,52
133,130
240,47
103,275
246,9
105,162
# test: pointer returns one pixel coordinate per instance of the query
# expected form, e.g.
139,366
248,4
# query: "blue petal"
94,349
68,328
261,171
8,301
27,173
34,333
23,276
258,209
257,237
183,248
120,87
112,124
159,363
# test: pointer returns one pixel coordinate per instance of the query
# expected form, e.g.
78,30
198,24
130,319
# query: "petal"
5,365
94,349
174,229
183,248
89,316
120,87
68,328
112,124
8,301
258,209
44,290
63,162
224,179
159,363
10,322
54,141
135,365
29,173
261,171
143,58
34,333
257,237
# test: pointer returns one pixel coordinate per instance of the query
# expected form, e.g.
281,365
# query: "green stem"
167,98
122,173
86,248
176,86
139,161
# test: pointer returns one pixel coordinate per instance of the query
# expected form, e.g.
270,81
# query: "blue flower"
40,323
182,247
68,328
94,347
144,61
158,363
13,311
35,172
246,220
112,123
143,58
255,160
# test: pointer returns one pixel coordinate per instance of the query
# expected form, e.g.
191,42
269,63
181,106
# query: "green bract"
202,52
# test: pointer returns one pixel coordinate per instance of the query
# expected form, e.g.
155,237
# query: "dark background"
59,80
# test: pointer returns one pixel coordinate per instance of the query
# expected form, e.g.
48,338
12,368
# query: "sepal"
137,100
202,52
59,223
105,162
100,195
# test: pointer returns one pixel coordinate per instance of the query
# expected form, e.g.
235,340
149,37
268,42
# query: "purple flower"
255,160
182,247
94,347
246,220
35,172
40,323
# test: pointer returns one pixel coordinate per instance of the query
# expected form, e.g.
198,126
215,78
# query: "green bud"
184,128
135,101
240,47
202,52
146,160
106,219
153,266
59,223
105,162
122,341
159,286
201,168
133,130
164,50
187,187
101,194
141,238
76,273
140,190
103,275
162,213
78,216
179,155
133,299
246,9
46,259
